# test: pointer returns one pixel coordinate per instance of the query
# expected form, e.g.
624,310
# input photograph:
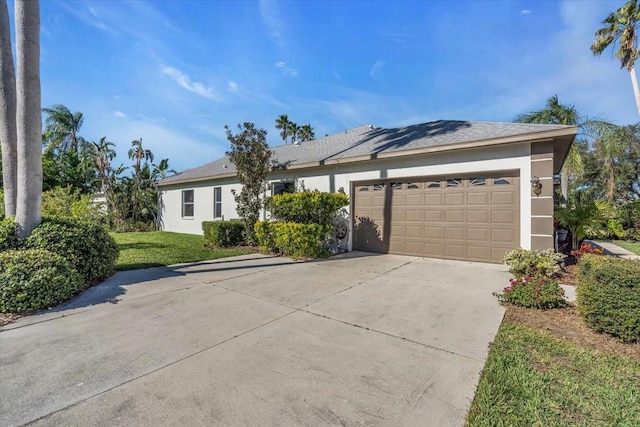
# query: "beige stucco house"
446,189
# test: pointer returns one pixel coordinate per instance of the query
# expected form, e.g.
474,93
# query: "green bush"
265,234
65,202
223,233
87,246
608,291
533,290
131,226
8,237
521,261
34,279
293,239
307,207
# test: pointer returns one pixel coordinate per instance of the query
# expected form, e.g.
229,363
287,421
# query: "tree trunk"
28,116
8,115
611,181
634,83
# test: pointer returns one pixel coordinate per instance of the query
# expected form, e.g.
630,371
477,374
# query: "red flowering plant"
585,248
533,290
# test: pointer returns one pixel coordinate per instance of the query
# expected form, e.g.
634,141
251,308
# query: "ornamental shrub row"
60,258
608,291
223,233
293,239
521,261
307,207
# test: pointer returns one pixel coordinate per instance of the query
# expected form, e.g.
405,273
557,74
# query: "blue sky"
175,72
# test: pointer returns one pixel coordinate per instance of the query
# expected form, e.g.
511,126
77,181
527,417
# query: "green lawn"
630,246
158,248
532,378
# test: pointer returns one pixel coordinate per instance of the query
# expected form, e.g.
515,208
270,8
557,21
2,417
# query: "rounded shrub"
521,261
8,236
533,290
33,279
608,291
88,247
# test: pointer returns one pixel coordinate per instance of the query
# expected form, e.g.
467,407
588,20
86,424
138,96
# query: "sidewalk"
611,249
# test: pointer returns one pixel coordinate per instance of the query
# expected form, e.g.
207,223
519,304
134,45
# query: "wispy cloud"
272,19
119,114
285,69
184,81
400,37
525,12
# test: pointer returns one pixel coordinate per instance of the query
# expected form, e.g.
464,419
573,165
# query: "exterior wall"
333,177
171,205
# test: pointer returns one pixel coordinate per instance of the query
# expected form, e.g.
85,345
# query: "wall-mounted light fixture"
536,185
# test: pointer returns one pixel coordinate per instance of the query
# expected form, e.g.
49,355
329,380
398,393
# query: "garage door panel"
454,216
454,199
478,216
481,234
468,218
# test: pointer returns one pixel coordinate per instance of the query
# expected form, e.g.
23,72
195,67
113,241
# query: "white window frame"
217,202
191,203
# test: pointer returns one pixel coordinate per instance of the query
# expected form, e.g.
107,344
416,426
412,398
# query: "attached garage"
448,189
474,218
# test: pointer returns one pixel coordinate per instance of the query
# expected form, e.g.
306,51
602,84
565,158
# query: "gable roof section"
366,142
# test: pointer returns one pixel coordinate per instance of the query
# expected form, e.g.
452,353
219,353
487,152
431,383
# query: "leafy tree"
283,123
8,115
61,128
28,117
621,29
306,133
251,155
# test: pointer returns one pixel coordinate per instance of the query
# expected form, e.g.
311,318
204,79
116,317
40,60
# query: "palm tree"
161,170
28,116
293,131
620,28
61,128
103,153
8,115
137,153
558,114
283,123
306,133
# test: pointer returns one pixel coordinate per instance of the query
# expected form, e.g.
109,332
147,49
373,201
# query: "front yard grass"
160,248
630,246
534,378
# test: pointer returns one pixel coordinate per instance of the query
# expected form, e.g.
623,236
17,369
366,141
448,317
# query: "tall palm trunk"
634,83
611,181
8,115
28,116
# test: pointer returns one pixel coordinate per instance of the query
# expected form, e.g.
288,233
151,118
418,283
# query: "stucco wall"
333,177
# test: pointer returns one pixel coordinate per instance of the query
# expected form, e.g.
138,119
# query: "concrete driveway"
361,339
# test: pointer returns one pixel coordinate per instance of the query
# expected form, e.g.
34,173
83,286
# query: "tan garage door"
473,218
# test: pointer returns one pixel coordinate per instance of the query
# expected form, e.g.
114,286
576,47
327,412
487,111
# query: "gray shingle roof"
367,140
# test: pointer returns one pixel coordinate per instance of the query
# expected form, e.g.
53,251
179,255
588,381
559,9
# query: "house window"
282,187
217,202
187,203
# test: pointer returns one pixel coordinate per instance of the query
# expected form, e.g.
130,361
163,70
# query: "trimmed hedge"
88,247
33,279
223,233
609,295
8,235
307,207
293,239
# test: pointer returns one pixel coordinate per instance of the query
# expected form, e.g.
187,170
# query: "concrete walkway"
361,339
612,249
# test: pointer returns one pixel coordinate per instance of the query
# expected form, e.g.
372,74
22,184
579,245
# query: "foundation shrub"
608,291
307,207
521,261
223,233
533,290
33,279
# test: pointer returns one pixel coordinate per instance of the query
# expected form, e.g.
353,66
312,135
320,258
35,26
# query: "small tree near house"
251,155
